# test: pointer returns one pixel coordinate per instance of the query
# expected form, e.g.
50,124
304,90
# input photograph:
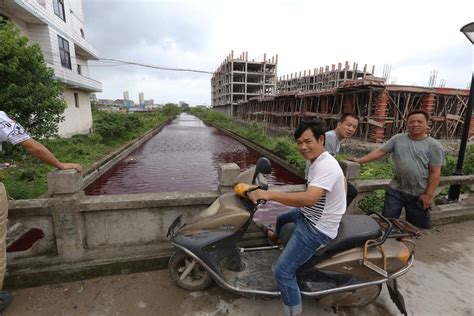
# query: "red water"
183,157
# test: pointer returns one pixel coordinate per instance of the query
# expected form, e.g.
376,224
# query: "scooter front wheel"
188,273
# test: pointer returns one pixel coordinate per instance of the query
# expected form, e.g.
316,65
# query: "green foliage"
376,170
285,148
373,201
171,110
468,166
28,92
113,125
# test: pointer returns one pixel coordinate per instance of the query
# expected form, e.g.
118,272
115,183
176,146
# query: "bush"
115,125
373,202
29,93
170,109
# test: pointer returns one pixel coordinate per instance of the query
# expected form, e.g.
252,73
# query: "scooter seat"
353,231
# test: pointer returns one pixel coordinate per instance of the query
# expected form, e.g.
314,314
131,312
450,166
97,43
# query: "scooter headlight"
241,189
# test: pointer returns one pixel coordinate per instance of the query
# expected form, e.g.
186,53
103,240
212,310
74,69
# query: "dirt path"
440,283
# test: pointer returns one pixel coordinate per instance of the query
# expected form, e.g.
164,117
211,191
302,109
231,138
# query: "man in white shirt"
317,214
14,133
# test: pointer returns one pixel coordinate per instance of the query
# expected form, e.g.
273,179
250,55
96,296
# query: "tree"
28,91
171,109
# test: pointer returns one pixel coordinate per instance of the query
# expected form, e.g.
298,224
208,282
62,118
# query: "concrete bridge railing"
86,236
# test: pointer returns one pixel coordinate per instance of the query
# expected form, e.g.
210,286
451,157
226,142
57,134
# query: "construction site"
327,92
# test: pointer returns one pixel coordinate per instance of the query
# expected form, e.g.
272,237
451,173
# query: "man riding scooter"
317,214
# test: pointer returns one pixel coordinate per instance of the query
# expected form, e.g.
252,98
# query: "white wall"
78,119
17,21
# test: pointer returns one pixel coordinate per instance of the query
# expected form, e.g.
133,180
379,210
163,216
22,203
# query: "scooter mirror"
263,166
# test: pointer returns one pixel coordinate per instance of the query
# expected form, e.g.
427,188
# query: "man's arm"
296,199
374,155
42,153
433,182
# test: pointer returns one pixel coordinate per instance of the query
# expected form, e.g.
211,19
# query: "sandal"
270,234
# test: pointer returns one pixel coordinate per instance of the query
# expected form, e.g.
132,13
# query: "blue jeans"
303,243
415,213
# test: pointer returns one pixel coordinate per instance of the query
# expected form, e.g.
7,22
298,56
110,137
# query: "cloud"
414,37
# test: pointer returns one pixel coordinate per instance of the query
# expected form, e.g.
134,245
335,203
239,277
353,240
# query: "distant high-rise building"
141,100
126,95
148,102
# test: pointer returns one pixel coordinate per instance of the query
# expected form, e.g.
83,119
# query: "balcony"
75,81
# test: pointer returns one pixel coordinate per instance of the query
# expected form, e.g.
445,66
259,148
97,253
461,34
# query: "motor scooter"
369,251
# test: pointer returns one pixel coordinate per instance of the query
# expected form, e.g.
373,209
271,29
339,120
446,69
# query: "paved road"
441,283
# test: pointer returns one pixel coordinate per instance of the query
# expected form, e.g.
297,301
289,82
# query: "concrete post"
351,172
351,169
65,188
227,174
64,182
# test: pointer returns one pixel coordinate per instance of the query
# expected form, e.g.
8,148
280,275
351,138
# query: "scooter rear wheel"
188,273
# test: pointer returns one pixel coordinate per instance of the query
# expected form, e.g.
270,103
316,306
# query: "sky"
413,37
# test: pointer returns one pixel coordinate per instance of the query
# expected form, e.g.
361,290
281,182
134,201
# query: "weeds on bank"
111,130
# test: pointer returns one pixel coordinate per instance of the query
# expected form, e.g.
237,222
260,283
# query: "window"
76,99
79,69
82,33
59,9
64,52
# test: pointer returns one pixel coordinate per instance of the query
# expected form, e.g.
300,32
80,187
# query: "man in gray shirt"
417,159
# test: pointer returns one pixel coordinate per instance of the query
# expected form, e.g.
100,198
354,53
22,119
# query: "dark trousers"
415,213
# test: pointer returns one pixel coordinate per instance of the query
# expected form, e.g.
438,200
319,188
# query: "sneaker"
5,299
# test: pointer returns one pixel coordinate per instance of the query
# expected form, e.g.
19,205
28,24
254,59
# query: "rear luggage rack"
399,227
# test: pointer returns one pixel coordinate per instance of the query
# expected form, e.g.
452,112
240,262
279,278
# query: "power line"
157,67
117,62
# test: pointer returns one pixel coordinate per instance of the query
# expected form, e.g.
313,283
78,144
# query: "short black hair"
346,115
318,127
427,116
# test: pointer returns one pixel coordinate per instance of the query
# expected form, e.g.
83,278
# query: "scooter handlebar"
243,189
261,187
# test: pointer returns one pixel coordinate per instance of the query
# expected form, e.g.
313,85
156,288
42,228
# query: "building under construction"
237,79
330,91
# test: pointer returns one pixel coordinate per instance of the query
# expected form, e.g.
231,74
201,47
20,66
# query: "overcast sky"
414,37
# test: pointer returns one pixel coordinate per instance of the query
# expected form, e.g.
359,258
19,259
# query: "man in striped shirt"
317,214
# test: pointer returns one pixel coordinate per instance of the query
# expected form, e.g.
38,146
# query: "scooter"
369,251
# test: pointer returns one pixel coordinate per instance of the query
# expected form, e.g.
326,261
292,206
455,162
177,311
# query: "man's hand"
426,200
354,159
258,194
68,165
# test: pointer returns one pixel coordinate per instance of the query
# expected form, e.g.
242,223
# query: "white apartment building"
58,27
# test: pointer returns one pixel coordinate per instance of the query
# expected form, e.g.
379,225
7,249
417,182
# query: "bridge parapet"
91,235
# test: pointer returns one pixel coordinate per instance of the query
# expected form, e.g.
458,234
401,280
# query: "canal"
183,157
